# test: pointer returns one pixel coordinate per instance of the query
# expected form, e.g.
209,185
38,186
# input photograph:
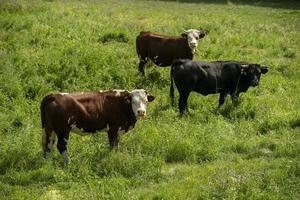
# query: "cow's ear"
150,98
202,34
184,35
264,69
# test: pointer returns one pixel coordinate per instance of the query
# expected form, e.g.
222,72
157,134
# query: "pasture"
250,151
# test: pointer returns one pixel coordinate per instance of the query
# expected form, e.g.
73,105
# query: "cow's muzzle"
193,45
141,113
254,83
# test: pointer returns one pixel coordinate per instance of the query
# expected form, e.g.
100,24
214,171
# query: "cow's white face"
140,98
193,37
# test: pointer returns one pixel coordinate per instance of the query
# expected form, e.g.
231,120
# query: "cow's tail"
45,134
173,66
46,100
171,85
176,62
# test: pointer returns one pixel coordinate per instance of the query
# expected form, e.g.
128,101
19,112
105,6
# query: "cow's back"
196,76
162,50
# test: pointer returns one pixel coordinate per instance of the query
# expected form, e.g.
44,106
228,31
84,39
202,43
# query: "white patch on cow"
120,130
64,93
77,130
118,92
106,128
244,66
139,102
70,119
51,140
192,37
66,140
65,156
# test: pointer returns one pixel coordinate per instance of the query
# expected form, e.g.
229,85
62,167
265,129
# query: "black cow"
224,77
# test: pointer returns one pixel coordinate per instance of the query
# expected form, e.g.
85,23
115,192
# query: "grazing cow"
224,77
84,113
163,50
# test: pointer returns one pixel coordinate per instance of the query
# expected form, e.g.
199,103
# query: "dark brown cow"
84,113
163,50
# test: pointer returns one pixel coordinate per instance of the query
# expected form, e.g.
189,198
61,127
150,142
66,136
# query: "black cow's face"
253,72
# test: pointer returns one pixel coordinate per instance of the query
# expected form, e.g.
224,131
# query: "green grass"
250,151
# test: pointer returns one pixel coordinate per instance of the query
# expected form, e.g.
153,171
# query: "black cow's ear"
264,69
150,98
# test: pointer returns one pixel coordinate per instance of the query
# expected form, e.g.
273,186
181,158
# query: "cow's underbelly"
206,90
163,62
86,130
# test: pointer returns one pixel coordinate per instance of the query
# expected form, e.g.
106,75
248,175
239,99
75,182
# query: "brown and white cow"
84,113
163,50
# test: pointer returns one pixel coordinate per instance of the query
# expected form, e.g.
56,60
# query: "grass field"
250,151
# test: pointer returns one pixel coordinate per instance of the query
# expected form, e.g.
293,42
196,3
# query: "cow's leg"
235,98
143,61
48,140
113,138
183,102
222,99
62,142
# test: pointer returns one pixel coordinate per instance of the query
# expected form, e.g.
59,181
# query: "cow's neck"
193,50
131,120
244,84
190,51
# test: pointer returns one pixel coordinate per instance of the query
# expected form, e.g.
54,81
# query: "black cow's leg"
183,102
235,98
222,99
62,142
142,65
113,138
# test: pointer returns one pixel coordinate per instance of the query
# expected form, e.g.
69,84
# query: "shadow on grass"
288,4
24,169
20,160
152,78
226,110
295,123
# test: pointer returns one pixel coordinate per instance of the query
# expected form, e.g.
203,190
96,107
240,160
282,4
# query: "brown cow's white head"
193,35
140,98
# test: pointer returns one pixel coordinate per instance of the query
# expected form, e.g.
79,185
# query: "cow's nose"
141,112
255,83
193,44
